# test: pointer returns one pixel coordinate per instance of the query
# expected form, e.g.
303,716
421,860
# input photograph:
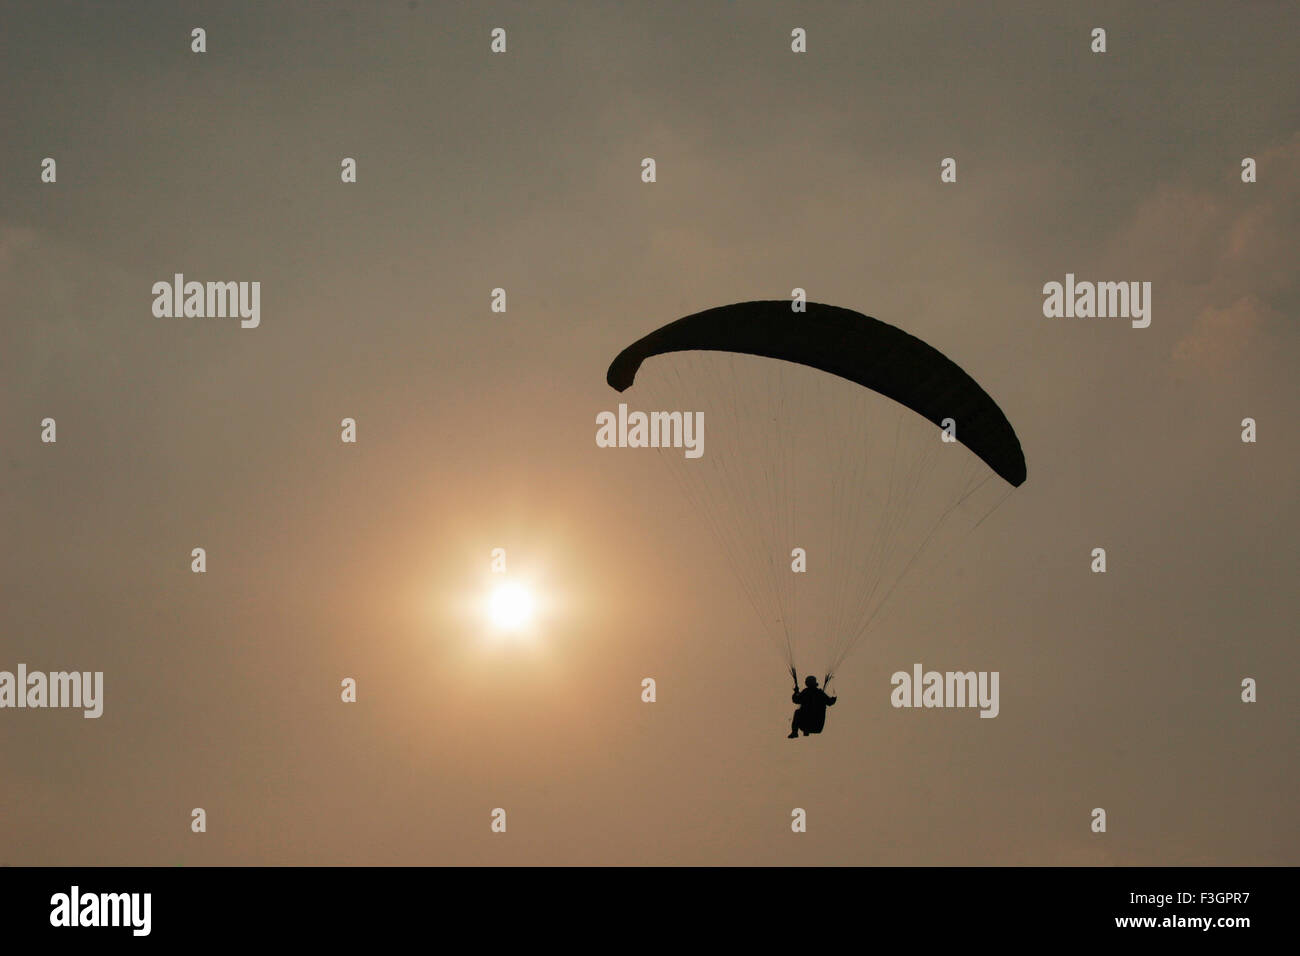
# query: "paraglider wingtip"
619,376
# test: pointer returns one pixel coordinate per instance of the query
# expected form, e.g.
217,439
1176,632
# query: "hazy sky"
476,429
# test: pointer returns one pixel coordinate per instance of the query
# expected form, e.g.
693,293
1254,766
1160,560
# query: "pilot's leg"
794,726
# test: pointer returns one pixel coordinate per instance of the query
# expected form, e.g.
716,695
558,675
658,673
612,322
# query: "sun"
510,608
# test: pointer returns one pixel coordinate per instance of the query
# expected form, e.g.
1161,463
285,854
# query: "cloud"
1222,339
1221,259
1250,271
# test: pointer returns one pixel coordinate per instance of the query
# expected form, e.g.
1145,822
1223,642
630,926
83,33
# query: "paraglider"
824,481
810,716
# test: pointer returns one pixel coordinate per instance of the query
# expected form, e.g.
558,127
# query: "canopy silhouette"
853,346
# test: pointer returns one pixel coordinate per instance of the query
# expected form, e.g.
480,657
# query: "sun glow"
510,608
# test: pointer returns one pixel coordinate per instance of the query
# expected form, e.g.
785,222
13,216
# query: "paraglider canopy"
853,346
